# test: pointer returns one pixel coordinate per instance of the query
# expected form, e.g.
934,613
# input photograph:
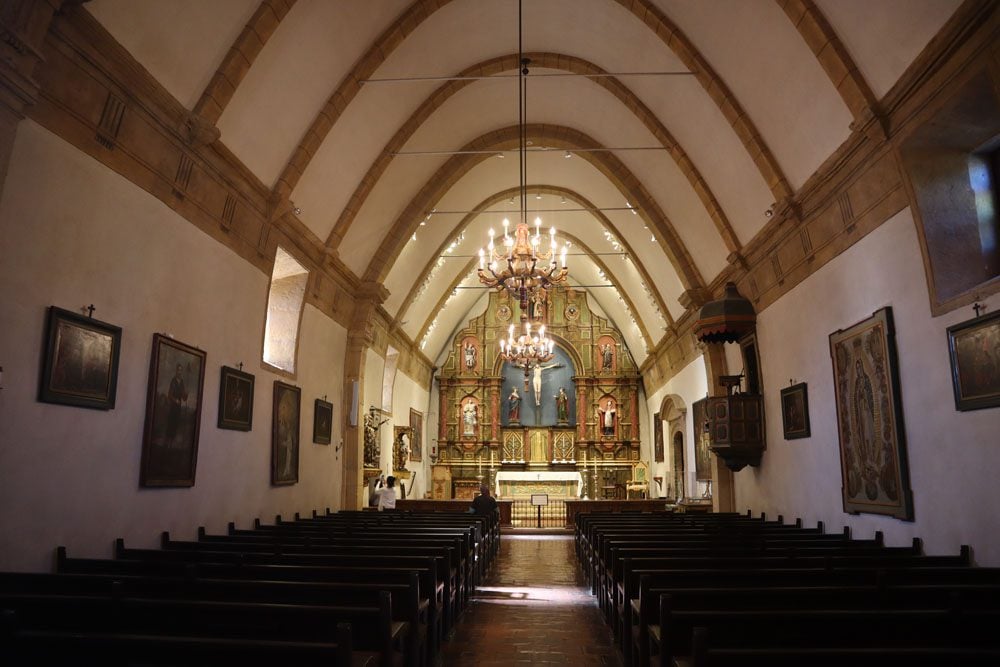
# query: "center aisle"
533,609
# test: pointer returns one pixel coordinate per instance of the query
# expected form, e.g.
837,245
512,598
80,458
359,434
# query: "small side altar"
558,484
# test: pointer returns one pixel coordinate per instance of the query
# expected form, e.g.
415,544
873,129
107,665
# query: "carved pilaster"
23,25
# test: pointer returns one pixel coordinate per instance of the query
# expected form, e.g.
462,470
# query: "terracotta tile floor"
533,609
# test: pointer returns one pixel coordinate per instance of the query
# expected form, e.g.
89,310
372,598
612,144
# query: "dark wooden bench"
372,628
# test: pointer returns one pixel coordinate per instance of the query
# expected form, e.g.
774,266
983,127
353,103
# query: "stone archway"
673,411
676,485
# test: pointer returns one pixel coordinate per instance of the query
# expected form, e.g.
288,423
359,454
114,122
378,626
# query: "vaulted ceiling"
661,131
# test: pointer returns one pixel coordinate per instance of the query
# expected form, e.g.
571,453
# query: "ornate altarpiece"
482,428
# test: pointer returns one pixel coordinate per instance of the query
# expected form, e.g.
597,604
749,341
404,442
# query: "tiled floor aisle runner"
533,609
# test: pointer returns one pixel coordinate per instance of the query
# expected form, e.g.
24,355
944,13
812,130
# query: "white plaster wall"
952,455
689,385
72,233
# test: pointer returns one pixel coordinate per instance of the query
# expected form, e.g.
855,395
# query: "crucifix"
90,311
976,307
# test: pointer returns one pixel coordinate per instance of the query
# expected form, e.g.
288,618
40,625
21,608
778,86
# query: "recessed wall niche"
951,162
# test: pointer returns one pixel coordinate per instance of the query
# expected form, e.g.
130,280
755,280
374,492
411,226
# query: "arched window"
284,311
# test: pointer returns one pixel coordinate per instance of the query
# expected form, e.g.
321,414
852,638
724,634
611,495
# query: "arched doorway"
676,486
673,412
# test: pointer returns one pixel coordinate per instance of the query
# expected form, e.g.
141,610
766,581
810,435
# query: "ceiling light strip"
595,75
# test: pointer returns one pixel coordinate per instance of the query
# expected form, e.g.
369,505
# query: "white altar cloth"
541,476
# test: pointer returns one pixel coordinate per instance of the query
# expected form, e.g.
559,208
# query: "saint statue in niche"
470,356
607,356
606,417
470,419
514,406
562,406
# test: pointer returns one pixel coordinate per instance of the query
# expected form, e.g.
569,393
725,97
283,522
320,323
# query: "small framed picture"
974,347
322,422
795,411
285,434
173,413
236,400
81,361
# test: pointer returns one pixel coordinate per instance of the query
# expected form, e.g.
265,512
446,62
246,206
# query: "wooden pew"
407,604
372,628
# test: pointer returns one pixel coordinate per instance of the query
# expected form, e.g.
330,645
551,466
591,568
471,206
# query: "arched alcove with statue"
568,426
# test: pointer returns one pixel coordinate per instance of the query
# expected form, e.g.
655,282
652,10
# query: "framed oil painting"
285,434
974,347
795,412
322,422
870,418
702,451
173,414
236,400
81,361
657,438
416,435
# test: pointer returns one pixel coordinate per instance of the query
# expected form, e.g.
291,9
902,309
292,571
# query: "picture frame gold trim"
873,459
974,352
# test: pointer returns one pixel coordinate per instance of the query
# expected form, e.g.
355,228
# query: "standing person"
484,503
387,494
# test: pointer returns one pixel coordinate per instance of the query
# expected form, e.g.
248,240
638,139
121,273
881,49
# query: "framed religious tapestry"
322,422
657,438
416,434
795,412
870,418
235,400
173,414
285,434
80,366
974,347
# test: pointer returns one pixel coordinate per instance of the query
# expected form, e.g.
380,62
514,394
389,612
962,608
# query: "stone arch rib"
559,137
348,88
545,60
683,48
469,265
833,57
482,206
240,57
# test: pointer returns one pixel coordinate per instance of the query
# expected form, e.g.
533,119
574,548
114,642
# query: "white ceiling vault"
698,114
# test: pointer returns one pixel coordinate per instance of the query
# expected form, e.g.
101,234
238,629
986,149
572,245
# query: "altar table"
521,484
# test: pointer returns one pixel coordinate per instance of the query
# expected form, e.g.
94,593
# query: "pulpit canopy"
725,320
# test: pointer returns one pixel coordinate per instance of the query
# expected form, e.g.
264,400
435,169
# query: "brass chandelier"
523,263
520,263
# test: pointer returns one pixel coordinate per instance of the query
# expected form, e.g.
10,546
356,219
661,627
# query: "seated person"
484,503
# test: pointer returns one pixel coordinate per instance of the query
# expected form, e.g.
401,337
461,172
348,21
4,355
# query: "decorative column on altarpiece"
493,385
444,400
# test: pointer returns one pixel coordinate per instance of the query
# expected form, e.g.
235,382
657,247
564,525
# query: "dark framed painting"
322,422
416,435
81,361
236,400
751,363
795,412
173,413
870,418
702,451
285,434
974,348
657,438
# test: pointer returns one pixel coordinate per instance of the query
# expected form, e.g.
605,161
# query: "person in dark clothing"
484,503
